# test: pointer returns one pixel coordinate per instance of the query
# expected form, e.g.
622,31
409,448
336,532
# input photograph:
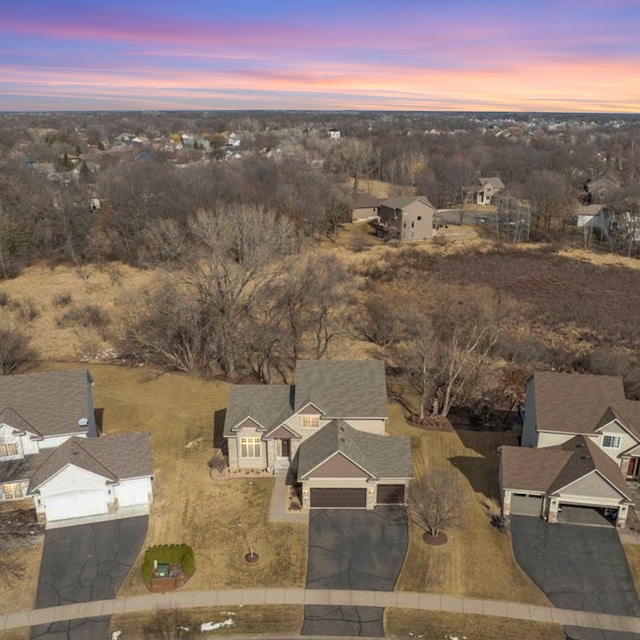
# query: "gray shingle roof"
342,388
550,469
404,201
269,405
50,403
381,456
116,457
574,403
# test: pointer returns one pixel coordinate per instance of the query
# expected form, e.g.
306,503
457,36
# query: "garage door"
76,505
390,494
338,498
523,505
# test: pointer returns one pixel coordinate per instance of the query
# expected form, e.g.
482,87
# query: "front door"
632,469
285,448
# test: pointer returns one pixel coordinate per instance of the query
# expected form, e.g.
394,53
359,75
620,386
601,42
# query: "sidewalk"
278,508
240,597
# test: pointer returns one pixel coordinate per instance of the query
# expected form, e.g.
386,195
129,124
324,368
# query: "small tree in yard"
435,501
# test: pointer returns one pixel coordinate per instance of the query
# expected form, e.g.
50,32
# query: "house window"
8,449
611,442
250,448
311,422
12,491
419,217
413,224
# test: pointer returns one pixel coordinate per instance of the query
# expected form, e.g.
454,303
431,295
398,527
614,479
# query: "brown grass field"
430,624
477,561
262,620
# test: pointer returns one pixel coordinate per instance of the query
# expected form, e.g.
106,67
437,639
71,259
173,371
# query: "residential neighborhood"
366,374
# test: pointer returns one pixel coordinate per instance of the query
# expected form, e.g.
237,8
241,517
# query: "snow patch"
212,626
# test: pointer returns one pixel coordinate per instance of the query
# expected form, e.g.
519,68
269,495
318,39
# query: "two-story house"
580,444
406,218
328,430
52,455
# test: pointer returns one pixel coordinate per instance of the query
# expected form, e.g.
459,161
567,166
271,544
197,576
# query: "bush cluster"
168,554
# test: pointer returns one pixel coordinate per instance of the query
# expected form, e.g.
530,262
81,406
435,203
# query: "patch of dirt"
18,527
435,541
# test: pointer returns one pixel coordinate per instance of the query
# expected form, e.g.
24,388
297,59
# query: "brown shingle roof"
117,457
52,403
574,403
550,469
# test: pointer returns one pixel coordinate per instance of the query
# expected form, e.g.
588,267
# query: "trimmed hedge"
168,554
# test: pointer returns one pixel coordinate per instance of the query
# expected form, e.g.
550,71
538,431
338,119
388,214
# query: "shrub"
4,298
61,300
168,554
27,310
91,316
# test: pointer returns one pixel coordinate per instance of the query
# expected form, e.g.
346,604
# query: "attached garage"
338,498
390,494
526,505
76,504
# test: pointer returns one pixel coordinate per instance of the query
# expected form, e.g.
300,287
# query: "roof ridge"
10,408
91,455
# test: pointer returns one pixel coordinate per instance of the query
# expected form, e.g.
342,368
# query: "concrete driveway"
577,567
353,549
84,563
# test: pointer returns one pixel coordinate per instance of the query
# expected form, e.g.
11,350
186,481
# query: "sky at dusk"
493,55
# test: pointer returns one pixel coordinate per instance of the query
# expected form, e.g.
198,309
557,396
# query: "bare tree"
15,350
357,158
436,500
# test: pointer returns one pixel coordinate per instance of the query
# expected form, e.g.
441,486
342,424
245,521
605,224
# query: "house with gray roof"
52,454
487,190
406,218
327,430
580,448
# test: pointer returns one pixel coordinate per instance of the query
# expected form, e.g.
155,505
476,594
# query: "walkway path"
403,599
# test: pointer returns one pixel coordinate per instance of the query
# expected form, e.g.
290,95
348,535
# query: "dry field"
478,560
18,594
50,304
267,621
419,624
212,516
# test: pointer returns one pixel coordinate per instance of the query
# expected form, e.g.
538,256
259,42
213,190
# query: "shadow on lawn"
219,441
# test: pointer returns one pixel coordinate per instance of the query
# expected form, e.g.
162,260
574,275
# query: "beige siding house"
580,446
407,218
327,431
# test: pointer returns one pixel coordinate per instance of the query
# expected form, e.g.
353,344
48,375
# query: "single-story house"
593,216
588,417
406,218
52,454
327,430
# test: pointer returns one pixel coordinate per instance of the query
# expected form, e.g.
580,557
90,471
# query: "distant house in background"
487,190
594,217
598,190
364,206
334,134
406,218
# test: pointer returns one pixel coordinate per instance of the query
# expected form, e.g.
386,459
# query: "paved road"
353,549
248,597
577,567
84,563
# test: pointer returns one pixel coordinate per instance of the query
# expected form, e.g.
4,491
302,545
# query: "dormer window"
611,442
8,449
311,422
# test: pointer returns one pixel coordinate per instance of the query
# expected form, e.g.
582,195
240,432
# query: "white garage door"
76,504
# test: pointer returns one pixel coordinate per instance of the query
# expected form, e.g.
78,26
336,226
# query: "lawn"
213,516
432,624
17,593
266,620
478,560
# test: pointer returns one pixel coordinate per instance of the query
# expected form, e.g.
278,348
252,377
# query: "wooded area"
240,217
